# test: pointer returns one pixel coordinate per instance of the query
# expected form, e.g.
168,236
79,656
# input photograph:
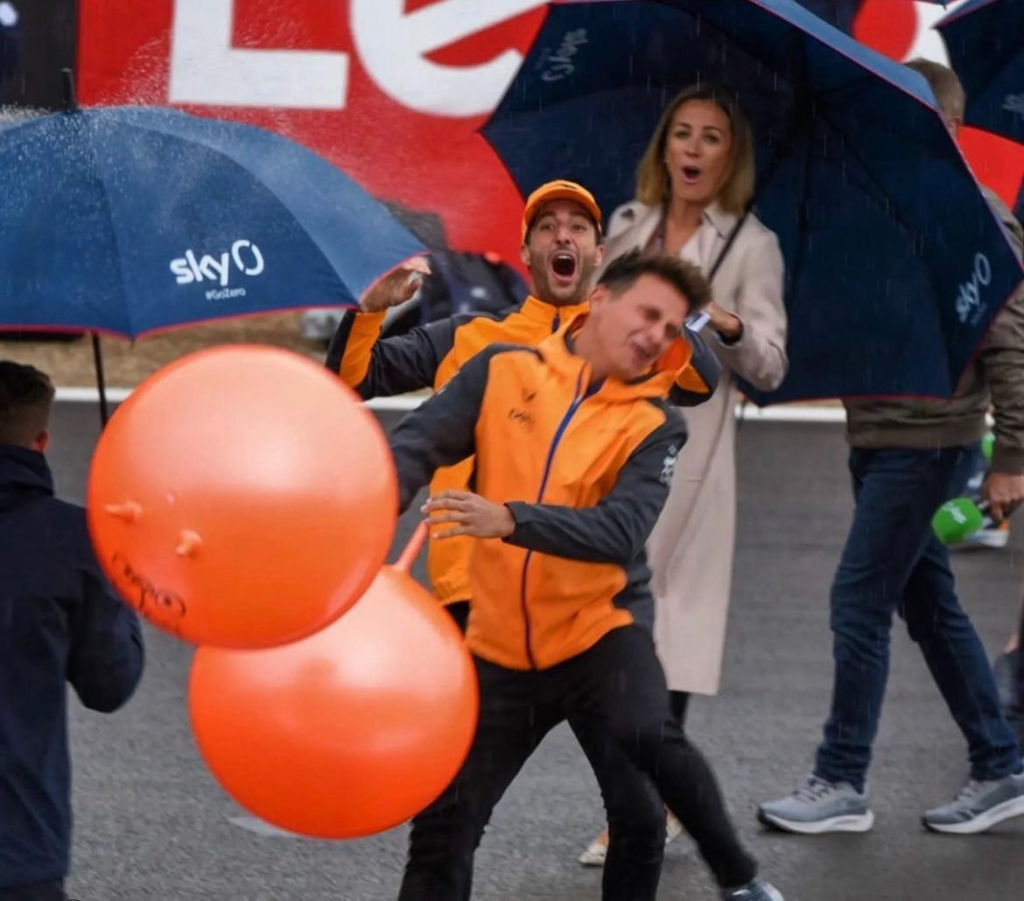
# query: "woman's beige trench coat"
691,548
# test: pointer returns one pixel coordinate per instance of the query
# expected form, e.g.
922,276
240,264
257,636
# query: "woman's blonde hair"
652,181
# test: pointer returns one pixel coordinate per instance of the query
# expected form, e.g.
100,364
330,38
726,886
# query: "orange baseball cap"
560,190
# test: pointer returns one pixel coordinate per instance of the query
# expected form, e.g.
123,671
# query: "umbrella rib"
119,256
897,217
851,148
986,83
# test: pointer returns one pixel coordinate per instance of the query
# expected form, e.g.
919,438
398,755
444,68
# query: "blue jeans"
1018,710
893,563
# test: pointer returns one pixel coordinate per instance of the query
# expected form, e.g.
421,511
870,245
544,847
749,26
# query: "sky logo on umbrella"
559,65
243,256
1014,103
969,297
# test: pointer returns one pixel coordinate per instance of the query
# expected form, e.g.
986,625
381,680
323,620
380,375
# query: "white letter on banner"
393,47
206,69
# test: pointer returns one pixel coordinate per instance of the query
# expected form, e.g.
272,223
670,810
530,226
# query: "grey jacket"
994,379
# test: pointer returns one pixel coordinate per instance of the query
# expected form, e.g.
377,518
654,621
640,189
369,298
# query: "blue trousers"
893,564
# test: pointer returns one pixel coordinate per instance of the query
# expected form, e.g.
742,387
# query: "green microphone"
959,519
986,447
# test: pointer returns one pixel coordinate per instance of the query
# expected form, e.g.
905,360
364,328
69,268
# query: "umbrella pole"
101,384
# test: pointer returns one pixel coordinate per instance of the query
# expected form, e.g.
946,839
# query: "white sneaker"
597,850
673,828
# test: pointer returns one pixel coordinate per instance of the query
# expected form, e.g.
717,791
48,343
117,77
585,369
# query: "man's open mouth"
563,265
642,355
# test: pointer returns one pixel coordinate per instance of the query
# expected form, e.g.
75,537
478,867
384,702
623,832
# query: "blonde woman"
695,185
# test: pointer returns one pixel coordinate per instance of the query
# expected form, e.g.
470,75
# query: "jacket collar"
558,352
541,311
719,219
648,220
23,473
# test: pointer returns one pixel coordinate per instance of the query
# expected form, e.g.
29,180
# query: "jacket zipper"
559,432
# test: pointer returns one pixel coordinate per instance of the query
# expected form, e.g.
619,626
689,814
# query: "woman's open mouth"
691,175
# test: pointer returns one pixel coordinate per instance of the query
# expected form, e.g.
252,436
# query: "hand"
396,287
472,515
1003,492
728,325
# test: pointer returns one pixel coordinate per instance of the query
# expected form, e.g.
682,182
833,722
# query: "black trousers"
679,702
615,699
38,891
459,611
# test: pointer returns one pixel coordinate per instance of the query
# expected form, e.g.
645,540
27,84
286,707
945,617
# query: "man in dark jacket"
59,623
907,457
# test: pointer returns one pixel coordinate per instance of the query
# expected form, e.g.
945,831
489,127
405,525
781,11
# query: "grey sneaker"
979,806
818,806
758,890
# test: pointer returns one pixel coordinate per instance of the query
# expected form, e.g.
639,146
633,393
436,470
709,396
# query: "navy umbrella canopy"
985,41
895,264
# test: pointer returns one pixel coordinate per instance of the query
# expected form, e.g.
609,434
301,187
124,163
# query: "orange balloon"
242,497
346,733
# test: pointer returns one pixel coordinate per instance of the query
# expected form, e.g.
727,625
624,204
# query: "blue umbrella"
129,220
895,263
985,40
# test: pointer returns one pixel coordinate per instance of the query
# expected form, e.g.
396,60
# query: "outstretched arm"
441,431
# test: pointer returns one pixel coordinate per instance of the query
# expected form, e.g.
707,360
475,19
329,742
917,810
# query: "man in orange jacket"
561,231
562,246
574,452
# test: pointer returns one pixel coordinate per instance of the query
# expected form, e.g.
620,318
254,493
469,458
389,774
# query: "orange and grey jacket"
428,357
583,467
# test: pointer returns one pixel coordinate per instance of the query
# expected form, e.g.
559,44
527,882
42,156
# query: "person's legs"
459,611
679,701
636,816
38,891
619,686
445,836
596,852
1018,706
897,492
958,663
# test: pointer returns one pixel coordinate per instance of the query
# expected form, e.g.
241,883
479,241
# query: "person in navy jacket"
59,623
